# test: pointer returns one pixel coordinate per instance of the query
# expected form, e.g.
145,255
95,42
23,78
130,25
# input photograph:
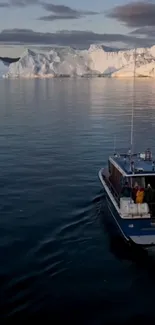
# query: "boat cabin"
132,178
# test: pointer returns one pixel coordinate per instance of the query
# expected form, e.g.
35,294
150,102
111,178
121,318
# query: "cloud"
59,17
145,31
62,9
18,3
68,38
134,14
23,3
4,5
59,9
60,12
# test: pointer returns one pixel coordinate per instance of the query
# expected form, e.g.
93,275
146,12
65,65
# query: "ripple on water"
56,255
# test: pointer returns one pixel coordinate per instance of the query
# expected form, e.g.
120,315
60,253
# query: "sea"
59,262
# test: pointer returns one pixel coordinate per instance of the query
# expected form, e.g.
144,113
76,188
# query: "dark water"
58,262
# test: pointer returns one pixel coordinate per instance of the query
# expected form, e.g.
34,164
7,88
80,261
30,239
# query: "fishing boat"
129,184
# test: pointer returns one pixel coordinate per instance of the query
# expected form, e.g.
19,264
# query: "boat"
129,184
134,220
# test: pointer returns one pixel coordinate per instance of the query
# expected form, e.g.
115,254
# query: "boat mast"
133,103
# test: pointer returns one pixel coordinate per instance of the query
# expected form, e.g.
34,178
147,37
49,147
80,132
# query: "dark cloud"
135,14
145,31
63,12
18,3
15,31
68,38
4,5
59,9
59,17
23,3
58,12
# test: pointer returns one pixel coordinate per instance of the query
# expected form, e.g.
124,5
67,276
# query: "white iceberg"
92,62
65,62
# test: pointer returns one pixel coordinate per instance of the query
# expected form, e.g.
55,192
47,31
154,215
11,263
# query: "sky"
118,23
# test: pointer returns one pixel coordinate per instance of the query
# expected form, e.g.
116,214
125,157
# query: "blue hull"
115,220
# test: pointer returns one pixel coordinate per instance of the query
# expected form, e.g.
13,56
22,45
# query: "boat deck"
141,166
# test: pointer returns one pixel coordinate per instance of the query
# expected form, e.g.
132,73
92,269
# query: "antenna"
133,102
114,144
132,115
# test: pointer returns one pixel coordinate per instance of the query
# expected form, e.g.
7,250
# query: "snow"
92,62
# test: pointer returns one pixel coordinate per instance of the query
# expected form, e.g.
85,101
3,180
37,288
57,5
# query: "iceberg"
63,62
96,61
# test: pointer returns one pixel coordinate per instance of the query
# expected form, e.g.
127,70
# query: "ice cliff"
92,62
